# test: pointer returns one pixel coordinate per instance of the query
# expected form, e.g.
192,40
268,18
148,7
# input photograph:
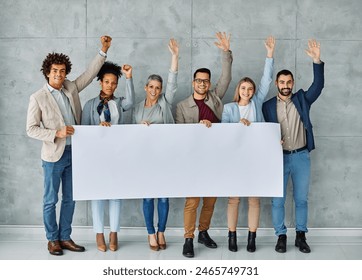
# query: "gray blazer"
44,117
90,114
187,110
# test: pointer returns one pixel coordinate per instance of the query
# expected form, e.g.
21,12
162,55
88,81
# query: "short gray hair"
154,77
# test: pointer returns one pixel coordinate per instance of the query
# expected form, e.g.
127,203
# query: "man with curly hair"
52,112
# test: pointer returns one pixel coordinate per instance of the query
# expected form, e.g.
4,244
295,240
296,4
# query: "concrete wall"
140,30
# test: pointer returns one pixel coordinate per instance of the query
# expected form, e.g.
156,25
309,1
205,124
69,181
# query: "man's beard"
285,91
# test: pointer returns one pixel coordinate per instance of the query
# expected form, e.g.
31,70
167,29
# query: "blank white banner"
177,160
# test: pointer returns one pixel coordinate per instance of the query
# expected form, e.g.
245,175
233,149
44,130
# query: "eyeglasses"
200,81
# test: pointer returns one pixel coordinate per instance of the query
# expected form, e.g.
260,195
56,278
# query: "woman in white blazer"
247,108
107,110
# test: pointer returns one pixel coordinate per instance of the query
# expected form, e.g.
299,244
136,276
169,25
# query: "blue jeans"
297,166
148,212
54,174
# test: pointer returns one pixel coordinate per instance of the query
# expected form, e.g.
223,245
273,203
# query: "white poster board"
177,160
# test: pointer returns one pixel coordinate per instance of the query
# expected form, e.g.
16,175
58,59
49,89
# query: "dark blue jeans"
148,212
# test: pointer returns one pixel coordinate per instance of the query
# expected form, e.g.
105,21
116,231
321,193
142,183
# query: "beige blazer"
44,117
187,110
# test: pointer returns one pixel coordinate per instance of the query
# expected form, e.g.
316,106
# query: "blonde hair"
243,80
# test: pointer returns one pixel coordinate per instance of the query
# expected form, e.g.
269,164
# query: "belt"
286,152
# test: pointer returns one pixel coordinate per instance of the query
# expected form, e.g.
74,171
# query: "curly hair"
109,68
55,58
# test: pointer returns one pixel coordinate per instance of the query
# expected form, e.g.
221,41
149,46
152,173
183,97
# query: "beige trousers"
190,212
253,213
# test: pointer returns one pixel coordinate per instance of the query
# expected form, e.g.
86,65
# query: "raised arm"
171,86
222,84
174,49
129,99
267,77
89,74
315,89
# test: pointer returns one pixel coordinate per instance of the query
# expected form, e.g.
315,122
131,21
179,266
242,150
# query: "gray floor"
28,243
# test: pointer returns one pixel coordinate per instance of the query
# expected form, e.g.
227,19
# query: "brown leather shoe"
54,248
101,243
113,241
161,240
153,247
71,246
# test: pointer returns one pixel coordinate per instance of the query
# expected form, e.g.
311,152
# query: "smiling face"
153,90
109,84
201,84
246,92
285,85
57,75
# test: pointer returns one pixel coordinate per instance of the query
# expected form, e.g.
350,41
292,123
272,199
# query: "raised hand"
223,41
173,46
270,45
314,50
106,42
174,49
127,71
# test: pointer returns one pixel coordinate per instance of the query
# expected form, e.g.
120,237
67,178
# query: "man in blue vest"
292,112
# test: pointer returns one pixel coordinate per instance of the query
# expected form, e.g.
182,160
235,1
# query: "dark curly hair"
55,58
109,68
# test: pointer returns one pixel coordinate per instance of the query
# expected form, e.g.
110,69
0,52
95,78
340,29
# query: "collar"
287,101
51,89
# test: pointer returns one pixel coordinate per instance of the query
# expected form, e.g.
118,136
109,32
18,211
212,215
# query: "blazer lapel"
273,110
52,101
236,112
192,109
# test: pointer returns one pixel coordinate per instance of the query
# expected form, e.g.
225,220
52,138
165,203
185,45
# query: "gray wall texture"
141,30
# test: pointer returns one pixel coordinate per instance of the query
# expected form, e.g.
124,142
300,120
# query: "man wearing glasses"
204,106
